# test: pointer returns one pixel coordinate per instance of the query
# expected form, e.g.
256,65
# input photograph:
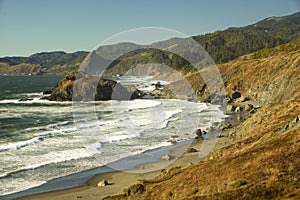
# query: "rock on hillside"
82,87
267,76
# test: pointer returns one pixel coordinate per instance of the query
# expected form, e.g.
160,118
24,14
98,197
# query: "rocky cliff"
78,86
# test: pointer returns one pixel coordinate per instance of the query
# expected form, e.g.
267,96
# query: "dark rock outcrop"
25,99
199,134
134,191
248,107
82,87
230,108
191,150
47,92
236,95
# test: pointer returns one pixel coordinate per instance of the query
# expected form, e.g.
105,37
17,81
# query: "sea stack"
78,86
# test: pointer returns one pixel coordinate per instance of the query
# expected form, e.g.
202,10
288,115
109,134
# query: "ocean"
40,140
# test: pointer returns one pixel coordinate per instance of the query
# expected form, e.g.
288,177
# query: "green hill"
222,46
146,56
234,42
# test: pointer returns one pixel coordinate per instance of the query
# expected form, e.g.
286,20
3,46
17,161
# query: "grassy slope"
268,76
267,169
263,161
263,76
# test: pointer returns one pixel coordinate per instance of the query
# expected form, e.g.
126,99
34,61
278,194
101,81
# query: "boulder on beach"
158,85
102,183
199,134
172,140
191,150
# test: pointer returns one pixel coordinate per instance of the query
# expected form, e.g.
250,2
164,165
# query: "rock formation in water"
82,87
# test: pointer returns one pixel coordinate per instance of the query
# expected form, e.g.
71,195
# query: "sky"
31,26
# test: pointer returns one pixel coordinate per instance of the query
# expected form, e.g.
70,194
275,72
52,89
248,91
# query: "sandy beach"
118,181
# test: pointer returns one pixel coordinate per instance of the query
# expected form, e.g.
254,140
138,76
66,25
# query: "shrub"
238,184
194,191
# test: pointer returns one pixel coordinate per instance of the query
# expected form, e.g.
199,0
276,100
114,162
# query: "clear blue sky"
30,26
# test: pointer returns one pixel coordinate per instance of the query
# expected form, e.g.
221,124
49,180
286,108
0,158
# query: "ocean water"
42,140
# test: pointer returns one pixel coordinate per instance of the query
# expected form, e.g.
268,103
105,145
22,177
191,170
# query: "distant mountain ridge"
46,62
222,46
231,43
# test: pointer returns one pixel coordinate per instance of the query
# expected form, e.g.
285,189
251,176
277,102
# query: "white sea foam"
57,132
36,161
20,185
141,104
38,137
34,100
30,94
121,136
19,145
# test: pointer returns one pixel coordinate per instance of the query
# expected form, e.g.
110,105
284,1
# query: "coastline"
118,180
84,184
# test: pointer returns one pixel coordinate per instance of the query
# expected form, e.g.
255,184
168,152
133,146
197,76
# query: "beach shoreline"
119,180
147,168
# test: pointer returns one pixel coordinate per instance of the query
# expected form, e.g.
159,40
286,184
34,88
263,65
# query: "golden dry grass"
265,168
264,161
